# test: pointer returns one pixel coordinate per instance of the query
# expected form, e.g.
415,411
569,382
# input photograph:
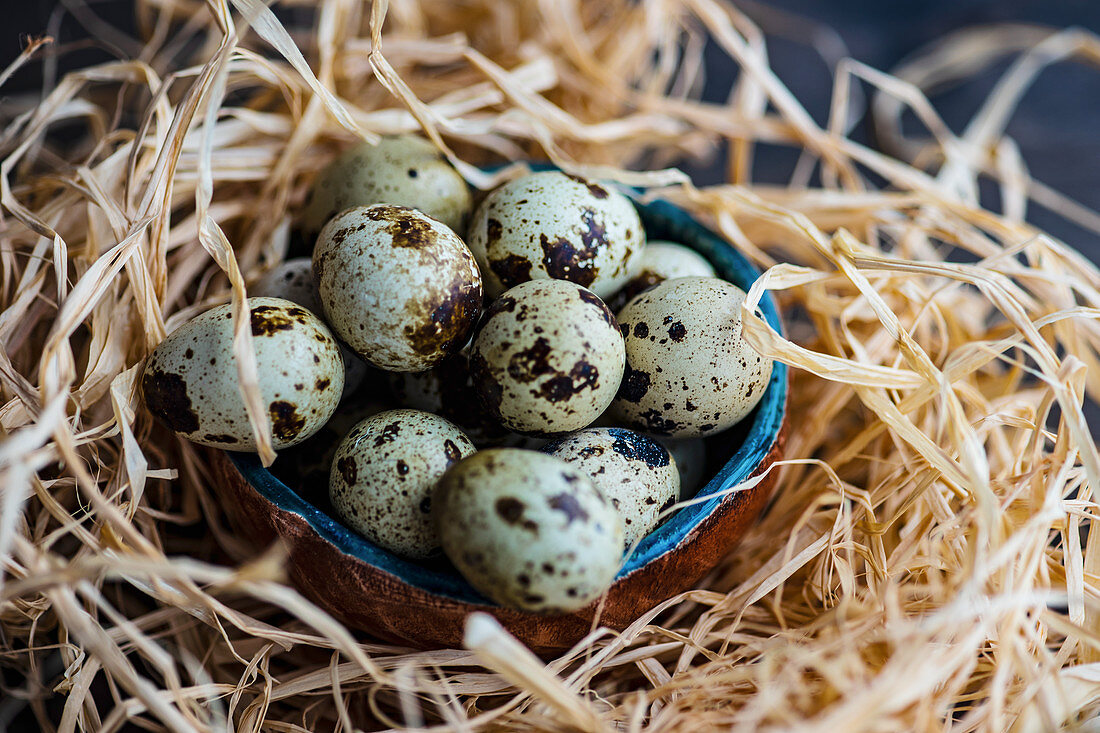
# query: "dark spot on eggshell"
348,470
450,321
511,270
322,384
563,386
655,422
502,304
524,580
594,300
563,261
402,468
595,189
634,386
493,230
641,330
190,353
511,511
568,505
451,451
676,332
286,423
636,447
166,397
388,434
269,319
219,438
528,364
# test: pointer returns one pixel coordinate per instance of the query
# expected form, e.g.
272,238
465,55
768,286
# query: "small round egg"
548,357
447,389
384,473
190,379
633,471
661,261
690,455
400,288
293,280
404,169
554,225
528,530
689,371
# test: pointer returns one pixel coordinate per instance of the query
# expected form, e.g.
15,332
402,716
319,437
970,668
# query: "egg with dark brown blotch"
689,370
405,170
661,261
384,473
447,389
547,358
293,280
633,471
528,530
190,380
559,226
398,287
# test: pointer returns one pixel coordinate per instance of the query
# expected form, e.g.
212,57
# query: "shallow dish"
425,605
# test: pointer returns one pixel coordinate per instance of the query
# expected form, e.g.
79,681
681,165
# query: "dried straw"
926,563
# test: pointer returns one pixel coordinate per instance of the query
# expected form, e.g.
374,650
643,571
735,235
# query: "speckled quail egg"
554,225
405,170
528,530
384,473
397,286
689,371
548,357
190,379
293,280
447,389
633,471
690,455
661,261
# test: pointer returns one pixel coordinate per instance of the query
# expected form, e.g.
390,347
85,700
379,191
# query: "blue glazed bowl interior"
746,444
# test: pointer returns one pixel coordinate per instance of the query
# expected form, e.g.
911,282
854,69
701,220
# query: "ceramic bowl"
425,605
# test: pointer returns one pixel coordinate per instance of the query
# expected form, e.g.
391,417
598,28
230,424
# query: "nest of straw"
926,562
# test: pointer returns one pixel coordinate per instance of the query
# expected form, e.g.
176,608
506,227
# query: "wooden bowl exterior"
367,597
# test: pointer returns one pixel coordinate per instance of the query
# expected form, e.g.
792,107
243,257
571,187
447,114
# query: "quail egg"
190,379
447,389
384,473
689,371
553,225
548,357
661,261
405,170
634,472
397,286
528,530
690,455
293,280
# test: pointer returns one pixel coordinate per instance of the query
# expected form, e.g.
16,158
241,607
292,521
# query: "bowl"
425,605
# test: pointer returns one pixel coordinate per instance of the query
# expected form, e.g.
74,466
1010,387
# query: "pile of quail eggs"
457,381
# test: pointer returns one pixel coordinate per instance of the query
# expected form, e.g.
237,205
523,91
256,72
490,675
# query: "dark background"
1056,128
